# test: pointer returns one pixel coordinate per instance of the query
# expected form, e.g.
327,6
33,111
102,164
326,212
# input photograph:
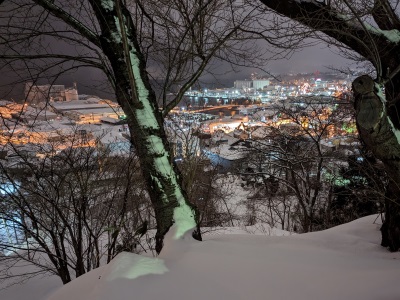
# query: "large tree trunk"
379,134
377,112
137,99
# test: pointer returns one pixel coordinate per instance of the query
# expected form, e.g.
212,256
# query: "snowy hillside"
345,262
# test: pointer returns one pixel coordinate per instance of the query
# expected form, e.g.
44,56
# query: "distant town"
261,90
255,151
214,118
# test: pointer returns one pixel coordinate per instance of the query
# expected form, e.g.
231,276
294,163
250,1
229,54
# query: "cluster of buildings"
222,137
251,85
266,90
55,118
250,109
36,94
52,111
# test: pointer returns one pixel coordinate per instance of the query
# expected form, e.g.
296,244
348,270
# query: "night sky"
317,58
310,60
91,81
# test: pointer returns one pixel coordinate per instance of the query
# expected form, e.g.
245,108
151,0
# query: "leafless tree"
370,30
130,42
290,164
357,190
183,40
66,206
209,190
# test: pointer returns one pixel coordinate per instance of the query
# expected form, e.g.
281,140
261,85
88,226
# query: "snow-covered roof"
221,145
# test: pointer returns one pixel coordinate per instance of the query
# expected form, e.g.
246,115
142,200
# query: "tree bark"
378,133
137,99
377,113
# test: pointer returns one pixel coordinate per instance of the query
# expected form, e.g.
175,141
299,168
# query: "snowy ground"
342,263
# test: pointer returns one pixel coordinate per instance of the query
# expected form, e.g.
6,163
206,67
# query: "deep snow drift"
345,262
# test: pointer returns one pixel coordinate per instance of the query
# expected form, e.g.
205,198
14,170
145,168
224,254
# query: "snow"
382,97
392,35
394,130
37,288
345,262
108,4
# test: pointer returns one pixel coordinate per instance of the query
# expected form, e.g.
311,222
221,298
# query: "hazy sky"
316,58
91,81
310,60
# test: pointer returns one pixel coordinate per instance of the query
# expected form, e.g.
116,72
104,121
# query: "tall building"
71,94
242,84
254,83
260,83
35,94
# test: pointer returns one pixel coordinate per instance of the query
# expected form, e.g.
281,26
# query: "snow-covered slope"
342,263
